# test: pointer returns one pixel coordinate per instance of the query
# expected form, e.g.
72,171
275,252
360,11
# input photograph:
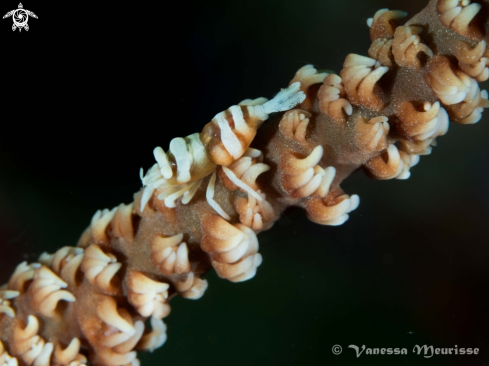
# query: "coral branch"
207,197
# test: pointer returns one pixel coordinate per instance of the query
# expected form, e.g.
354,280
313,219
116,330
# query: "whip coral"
208,194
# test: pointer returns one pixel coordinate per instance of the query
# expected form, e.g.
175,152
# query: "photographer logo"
20,17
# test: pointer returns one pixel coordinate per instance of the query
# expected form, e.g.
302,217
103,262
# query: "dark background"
91,89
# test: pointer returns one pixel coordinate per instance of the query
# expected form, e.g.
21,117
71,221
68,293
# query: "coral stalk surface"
209,195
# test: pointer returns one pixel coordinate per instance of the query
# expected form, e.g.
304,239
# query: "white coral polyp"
437,127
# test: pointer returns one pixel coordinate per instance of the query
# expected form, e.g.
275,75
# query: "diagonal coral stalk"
208,196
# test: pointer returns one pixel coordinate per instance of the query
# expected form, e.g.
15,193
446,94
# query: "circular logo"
337,349
20,17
